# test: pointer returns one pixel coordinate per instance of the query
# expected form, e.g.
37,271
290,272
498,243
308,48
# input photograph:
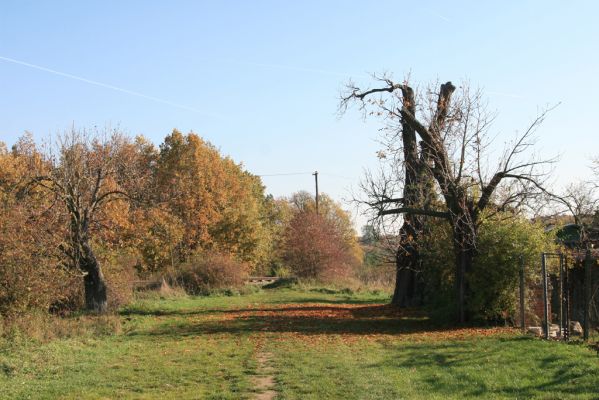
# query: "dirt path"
264,382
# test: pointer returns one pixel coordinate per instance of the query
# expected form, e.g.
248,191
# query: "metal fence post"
566,298
561,295
588,261
545,304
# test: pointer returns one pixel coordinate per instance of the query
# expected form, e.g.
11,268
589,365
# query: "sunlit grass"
325,344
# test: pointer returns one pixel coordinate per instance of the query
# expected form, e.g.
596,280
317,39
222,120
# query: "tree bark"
408,265
94,282
464,235
408,292
464,258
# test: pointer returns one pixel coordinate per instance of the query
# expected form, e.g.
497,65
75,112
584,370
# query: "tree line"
90,212
85,215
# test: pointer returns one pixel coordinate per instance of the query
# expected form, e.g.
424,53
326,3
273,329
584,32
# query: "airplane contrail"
107,86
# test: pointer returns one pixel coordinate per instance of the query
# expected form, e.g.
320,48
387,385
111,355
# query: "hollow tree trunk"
407,292
464,257
464,236
415,193
94,282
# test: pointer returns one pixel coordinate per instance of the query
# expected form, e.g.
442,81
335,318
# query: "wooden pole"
316,181
522,304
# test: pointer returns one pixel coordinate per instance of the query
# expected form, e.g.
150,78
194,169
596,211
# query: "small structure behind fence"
569,293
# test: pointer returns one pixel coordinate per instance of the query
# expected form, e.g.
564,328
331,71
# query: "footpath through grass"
322,345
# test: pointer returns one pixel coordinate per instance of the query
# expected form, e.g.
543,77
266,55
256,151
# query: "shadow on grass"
133,310
466,369
446,368
311,319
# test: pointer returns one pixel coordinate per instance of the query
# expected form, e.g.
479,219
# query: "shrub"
494,278
30,275
205,273
314,248
119,271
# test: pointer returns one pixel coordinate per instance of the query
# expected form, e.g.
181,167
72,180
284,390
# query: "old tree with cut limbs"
436,166
86,173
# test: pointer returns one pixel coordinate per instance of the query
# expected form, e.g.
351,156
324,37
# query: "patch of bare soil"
264,382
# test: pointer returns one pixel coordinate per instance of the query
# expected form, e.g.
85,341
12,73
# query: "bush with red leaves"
315,248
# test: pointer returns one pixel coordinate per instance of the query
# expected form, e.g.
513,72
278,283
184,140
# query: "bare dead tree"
580,201
453,150
410,172
85,174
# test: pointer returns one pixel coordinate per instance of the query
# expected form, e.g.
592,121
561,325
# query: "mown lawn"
323,344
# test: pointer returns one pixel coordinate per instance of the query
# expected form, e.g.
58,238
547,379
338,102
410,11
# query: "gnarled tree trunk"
407,291
94,282
417,192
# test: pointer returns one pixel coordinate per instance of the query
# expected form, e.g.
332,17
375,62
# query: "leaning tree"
438,151
86,171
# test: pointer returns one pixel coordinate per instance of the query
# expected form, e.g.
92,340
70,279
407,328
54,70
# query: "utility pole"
316,181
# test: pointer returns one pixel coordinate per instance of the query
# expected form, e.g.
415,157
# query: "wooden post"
317,195
588,262
545,303
522,304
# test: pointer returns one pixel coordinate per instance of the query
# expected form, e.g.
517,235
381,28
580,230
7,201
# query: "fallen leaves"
348,322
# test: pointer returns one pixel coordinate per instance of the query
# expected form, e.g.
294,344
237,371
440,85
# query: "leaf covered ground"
320,344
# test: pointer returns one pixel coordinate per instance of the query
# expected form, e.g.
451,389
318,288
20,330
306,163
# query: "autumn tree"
86,174
220,204
304,202
320,245
453,130
276,216
314,248
30,274
157,234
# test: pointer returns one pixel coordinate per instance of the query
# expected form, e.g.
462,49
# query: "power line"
306,173
336,176
287,174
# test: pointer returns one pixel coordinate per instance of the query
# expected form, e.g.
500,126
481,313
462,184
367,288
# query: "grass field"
309,344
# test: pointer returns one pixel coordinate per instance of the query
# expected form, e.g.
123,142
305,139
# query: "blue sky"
261,79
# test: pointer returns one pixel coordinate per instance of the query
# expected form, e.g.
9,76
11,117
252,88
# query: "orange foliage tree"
220,205
30,272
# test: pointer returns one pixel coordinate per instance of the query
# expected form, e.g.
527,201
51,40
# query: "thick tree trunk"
464,236
407,292
464,257
415,193
95,285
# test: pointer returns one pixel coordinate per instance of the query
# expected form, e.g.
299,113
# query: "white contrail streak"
107,86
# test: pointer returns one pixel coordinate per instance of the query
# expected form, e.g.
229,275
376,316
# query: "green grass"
325,344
